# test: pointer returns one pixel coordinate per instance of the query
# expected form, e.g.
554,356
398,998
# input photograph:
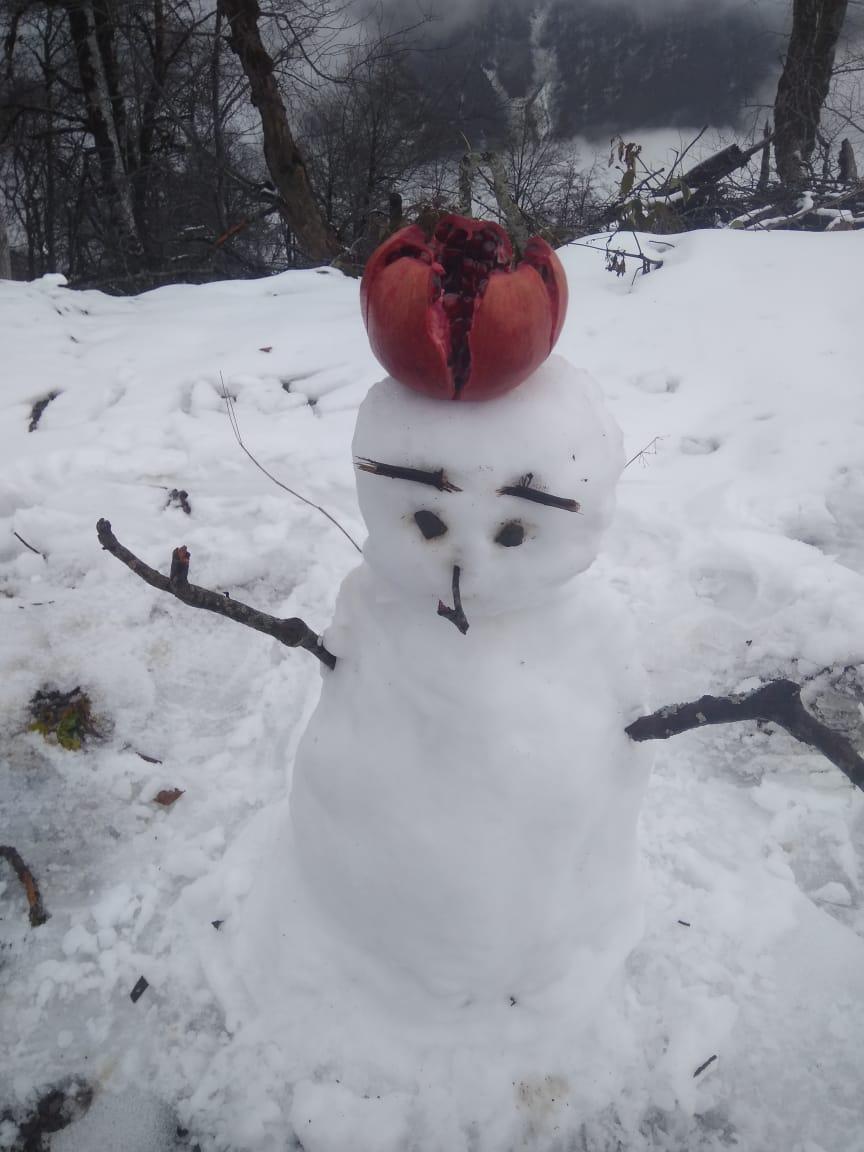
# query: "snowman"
465,798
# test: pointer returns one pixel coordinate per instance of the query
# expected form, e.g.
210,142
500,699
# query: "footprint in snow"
656,381
699,445
731,587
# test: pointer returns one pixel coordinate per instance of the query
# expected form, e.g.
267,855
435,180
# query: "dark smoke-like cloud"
774,12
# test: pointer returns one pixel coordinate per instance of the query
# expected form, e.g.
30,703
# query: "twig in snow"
702,1067
652,444
30,546
235,428
141,755
293,632
615,257
38,915
778,701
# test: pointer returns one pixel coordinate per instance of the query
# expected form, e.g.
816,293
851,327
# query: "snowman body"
464,807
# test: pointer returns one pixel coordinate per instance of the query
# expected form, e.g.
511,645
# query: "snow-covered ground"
739,546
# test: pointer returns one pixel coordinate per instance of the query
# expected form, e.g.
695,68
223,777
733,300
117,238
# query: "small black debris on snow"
38,408
179,498
702,1067
140,988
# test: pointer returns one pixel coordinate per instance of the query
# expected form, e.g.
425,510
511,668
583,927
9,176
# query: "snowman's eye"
429,524
511,534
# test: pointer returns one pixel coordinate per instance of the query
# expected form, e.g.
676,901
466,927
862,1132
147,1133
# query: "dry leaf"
167,796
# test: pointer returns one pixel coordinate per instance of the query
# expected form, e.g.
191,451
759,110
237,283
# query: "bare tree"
285,163
804,84
142,171
368,134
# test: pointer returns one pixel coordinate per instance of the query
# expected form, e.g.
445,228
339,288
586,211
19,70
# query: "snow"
737,551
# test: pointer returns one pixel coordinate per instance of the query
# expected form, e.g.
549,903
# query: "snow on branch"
778,701
293,632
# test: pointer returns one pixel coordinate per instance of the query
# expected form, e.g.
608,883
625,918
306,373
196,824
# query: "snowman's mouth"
456,614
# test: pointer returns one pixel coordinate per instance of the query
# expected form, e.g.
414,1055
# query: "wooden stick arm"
293,632
778,701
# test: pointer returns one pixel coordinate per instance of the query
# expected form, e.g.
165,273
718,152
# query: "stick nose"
455,614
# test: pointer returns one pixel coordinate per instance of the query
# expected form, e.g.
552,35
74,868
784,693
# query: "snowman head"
515,492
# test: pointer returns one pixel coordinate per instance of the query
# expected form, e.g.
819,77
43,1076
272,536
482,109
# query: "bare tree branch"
778,701
293,632
30,546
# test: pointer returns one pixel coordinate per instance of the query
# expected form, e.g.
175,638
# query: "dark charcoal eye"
429,524
511,534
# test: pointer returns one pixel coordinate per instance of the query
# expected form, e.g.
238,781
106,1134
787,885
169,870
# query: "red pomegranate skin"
452,316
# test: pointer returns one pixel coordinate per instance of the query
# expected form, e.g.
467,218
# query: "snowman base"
375,1062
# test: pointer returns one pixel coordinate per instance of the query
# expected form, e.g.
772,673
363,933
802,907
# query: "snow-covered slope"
739,545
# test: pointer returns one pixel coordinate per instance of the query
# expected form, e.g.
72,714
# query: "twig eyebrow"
437,479
526,492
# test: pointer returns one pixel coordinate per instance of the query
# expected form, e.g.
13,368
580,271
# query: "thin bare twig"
706,1064
437,479
30,546
680,159
293,632
235,428
610,251
778,701
38,915
643,452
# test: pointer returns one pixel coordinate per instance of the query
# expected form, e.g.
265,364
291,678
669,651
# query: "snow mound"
738,548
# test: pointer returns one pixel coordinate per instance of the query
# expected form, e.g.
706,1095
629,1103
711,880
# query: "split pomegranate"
452,316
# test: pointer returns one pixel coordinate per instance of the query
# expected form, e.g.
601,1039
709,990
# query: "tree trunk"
218,126
5,253
765,164
113,176
847,167
143,172
284,161
50,146
803,85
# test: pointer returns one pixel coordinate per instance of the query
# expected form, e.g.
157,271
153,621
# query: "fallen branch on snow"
778,701
293,632
38,915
